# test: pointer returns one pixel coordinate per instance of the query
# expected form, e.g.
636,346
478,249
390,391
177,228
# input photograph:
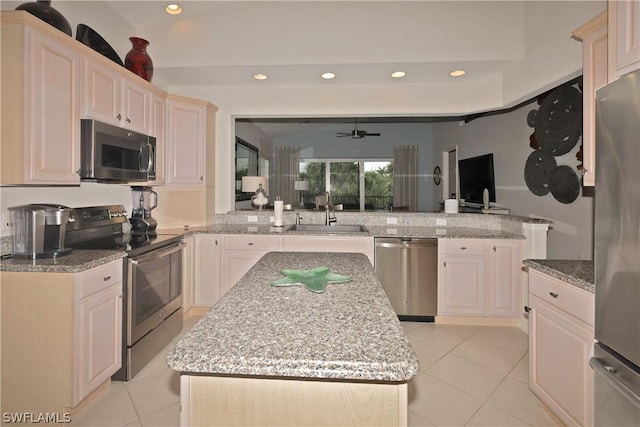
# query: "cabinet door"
185,142
624,37
461,285
559,371
136,102
99,339
236,264
102,91
207,269
54,112
158,113
504,277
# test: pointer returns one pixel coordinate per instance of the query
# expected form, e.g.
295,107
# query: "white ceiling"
225,43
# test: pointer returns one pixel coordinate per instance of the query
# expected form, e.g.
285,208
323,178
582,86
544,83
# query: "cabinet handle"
250,243
494,249
201,179
106,278
554,294
445,263
463,248
216,243
128,120
119,116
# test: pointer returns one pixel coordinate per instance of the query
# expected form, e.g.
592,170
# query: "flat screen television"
476,174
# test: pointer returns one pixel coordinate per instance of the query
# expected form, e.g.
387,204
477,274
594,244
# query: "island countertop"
350,332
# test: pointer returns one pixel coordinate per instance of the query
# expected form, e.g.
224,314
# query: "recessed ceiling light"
328,76
457,73
173,9
398,74
260,76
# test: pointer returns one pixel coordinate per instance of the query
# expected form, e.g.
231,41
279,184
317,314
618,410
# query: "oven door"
154,289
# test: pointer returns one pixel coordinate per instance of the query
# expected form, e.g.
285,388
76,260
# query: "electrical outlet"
441,221
392,221
252,218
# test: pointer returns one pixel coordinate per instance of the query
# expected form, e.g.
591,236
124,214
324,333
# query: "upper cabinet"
190,130
593,35
624,37
114,97
41,89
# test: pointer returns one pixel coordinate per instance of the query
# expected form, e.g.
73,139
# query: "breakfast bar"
269,355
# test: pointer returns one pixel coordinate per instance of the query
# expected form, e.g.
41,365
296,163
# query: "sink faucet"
298,218
330,214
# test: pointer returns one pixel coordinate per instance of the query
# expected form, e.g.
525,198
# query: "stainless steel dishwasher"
408,271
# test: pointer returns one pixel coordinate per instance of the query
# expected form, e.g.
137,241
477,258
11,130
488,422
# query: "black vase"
42,9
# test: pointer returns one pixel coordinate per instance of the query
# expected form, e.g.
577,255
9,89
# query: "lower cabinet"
207,269
61,336
479,277
560,342
241,252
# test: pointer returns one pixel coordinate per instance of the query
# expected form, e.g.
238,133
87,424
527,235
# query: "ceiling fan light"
398,74
458,73
173,9
328,76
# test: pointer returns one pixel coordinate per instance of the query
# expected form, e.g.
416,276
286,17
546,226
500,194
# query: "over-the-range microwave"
111,153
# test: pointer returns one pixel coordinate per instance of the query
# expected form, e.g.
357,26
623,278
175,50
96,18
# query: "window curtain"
405,177
286,173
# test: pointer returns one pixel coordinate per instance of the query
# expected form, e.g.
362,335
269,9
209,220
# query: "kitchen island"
266,355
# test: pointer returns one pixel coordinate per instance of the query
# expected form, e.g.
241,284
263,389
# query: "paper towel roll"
278,207
451,206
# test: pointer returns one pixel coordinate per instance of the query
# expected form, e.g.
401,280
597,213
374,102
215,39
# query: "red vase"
137,59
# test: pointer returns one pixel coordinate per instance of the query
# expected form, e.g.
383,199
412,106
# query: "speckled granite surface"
577,273
77,261
349,332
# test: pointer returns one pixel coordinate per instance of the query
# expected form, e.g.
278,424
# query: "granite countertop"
374,231
350,332
77,261
577,273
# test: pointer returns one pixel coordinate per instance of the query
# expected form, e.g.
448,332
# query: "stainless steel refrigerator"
616,359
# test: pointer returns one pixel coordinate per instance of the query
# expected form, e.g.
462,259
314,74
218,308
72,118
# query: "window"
356,184
246,165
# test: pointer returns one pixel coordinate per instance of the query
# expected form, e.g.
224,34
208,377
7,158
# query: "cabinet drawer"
461,247
252,242
574,301
99,278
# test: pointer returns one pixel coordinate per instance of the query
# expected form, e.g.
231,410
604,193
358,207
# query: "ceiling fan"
356,133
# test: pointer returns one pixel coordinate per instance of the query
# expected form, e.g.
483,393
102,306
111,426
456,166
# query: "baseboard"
477,320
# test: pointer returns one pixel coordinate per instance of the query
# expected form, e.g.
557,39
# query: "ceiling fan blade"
371,134
342,135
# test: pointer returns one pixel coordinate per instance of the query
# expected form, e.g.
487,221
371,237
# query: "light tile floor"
469,376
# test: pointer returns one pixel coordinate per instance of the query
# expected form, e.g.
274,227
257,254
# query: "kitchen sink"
329,229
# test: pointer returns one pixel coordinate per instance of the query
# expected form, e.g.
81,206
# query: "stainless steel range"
152,281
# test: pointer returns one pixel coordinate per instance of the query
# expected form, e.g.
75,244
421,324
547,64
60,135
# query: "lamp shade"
251,183
301,185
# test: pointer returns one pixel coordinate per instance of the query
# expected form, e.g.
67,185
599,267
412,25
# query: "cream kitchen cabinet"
40,113
593,35
187,140
207,269
61,336
479,277
188,273
356,244
240,252
624,37
112,95
461,277
561,337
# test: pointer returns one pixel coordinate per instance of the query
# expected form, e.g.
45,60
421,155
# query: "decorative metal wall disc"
559,120
531,118
564,184
538,170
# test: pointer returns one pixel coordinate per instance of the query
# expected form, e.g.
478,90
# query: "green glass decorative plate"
315,280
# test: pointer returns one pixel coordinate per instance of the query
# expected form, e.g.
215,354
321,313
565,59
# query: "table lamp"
301,186
256,185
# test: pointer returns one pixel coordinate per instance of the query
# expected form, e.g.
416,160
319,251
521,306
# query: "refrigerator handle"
608,373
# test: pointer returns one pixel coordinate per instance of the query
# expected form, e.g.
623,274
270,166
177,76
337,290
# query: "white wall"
507,137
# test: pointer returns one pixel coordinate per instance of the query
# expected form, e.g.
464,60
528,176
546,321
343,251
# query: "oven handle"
175,247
